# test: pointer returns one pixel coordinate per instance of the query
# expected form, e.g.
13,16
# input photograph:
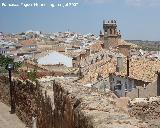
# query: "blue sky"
137,19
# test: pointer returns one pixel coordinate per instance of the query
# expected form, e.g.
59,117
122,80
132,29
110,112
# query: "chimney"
87,52
74,60
127,66
119,65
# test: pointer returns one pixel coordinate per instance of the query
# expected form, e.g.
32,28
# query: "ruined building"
111,35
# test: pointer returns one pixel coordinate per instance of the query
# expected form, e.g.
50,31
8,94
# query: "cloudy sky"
137,19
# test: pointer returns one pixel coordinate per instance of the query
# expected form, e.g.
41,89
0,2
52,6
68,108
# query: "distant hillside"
147,45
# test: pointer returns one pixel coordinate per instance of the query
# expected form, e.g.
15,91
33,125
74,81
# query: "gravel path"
8,120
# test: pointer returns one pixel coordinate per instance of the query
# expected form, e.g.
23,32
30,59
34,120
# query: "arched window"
115,31
110,31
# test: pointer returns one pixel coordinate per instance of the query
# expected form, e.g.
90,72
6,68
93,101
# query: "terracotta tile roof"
97,46
75,53
142,69
28,42
72,54
60,49
103,67
123,42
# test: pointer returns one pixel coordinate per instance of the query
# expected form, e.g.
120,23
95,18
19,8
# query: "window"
74,58
118,87
110,31
118,82
125,85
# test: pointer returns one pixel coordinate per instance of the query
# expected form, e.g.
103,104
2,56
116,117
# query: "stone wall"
81,107
76,106
124,49
149,91
144,108
30,101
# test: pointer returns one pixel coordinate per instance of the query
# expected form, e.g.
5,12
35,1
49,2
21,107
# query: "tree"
4,61
32,75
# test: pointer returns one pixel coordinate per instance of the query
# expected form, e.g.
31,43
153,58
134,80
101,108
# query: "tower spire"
111,34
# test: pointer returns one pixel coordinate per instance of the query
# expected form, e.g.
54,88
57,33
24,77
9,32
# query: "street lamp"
10,67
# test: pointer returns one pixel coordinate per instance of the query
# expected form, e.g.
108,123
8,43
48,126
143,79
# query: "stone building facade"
122,85
124,49
150,90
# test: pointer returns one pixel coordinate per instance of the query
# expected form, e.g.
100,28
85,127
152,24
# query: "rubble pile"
146,109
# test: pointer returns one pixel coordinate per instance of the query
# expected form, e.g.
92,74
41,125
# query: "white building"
3,50
6,47
1,35
54,58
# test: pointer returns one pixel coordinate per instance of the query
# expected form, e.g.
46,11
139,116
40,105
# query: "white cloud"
143,2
